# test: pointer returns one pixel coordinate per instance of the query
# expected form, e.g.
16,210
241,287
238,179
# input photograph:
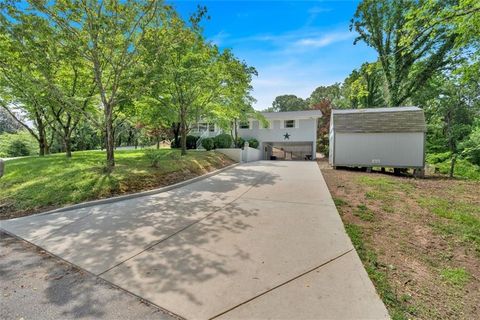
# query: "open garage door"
295,151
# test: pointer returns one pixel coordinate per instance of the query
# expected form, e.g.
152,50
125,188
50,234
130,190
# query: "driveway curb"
134,195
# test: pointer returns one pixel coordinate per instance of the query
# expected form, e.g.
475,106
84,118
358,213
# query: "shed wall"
398,149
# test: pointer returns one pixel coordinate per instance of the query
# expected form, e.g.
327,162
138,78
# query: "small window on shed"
211,127
289,123
244,125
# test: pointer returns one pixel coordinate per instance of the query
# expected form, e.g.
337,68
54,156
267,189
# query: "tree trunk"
68,146
236,133
109,138
452,165
183,131
176,133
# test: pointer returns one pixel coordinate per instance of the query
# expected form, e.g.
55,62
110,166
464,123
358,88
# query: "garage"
292,151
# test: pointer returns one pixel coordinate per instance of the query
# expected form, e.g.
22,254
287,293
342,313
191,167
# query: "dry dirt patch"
418,238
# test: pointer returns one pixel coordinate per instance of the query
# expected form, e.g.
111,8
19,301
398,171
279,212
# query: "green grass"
398,307
463,218
54,180
364,213
339,202
455,276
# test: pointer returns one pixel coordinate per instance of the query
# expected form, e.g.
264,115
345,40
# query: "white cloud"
325,39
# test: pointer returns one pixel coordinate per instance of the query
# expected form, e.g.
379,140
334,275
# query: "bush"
153,156
192,142
223,141
240,142
253,143
208,144
7,139
17,149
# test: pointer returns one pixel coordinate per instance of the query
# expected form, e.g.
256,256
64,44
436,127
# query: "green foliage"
332,93
471,147
463,168
65,181
22,139
289,102
223,141
240,142
253,143
154,157
208,143
410,50
363,88
17,149
455,276
192,142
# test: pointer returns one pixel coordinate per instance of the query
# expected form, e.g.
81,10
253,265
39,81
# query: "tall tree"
289,102
20,90
332,93
363,88
409,56
106,34
187,78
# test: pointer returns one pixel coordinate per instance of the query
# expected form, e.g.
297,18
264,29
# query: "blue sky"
294,45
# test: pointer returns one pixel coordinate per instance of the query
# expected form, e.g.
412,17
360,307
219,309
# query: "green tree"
363,88
107,35
332,93
450,116
410,49
289,102
188,79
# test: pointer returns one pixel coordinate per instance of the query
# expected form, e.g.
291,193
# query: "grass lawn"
38,183
419,240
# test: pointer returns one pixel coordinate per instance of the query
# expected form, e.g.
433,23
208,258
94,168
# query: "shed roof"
395,119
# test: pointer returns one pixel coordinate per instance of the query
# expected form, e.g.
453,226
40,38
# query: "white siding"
306,130
400,149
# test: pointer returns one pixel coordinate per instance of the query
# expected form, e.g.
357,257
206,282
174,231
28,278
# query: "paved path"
261,240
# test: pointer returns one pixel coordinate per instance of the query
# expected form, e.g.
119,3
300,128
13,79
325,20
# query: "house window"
202,126
289,123
244,125
211,127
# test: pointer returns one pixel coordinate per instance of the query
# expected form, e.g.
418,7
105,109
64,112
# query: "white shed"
378,137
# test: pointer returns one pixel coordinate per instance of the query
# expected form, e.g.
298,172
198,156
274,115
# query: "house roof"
287,115
395,119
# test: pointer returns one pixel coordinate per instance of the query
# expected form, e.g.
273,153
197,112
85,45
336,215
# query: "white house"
378,137
284,136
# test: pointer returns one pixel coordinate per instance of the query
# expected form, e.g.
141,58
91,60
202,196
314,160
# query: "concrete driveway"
260,241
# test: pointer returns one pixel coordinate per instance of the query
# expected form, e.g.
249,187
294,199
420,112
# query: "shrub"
253,143
153,156
191,142
240,142
17,148
208,144
223,141
7,139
